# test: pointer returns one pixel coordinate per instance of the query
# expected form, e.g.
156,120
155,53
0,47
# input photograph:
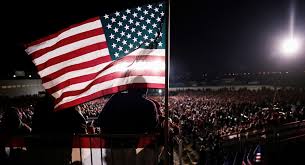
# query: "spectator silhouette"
12,126
40,142
54,133
128,112
67,123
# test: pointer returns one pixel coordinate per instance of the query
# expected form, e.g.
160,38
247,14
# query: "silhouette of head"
138,91
134,89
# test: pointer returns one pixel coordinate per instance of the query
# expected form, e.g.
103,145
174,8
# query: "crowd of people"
207,117
92,109
203,117
24,105
232,111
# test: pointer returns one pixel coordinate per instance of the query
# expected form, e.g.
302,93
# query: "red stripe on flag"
107,92
71,55
72,81
68,40
58,33
107,78
93,75
75,67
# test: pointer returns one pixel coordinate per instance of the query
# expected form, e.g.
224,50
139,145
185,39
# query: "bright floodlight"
160,91
290,46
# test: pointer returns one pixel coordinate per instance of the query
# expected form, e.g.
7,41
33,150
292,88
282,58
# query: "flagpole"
235,158
167,73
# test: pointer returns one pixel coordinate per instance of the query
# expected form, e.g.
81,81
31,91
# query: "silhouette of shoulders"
128,113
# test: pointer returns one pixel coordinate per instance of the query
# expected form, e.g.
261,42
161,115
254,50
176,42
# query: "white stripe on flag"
70,32
84,58
114,83
74,74
156,52
124,66
95,69
69,48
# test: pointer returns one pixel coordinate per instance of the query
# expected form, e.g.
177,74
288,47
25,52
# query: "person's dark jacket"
53,133
12,124
128,113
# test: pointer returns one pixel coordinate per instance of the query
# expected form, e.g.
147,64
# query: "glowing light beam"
290,46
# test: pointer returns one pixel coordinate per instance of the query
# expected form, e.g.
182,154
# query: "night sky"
209,36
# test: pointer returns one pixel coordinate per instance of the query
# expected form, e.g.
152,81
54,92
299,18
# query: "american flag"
258,154
103,55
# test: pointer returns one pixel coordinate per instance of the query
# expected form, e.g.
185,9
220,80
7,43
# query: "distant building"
13,88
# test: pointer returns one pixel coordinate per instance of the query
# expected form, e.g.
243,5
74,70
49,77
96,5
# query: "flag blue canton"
140,27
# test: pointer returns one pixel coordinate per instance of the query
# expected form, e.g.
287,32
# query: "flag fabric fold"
103,55
257,154
244,160
252,157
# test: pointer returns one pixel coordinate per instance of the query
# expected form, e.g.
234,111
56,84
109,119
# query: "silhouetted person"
67,123
12,126
12,123
43,112
53,133
128,112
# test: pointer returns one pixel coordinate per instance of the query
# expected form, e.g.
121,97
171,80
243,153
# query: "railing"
239,142
100,149
285,130
103,149
276,143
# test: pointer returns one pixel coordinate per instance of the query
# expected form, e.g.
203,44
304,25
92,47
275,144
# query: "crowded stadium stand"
218,124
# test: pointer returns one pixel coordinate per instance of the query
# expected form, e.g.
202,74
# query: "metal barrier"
276,142
238,143
103,149
284,130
